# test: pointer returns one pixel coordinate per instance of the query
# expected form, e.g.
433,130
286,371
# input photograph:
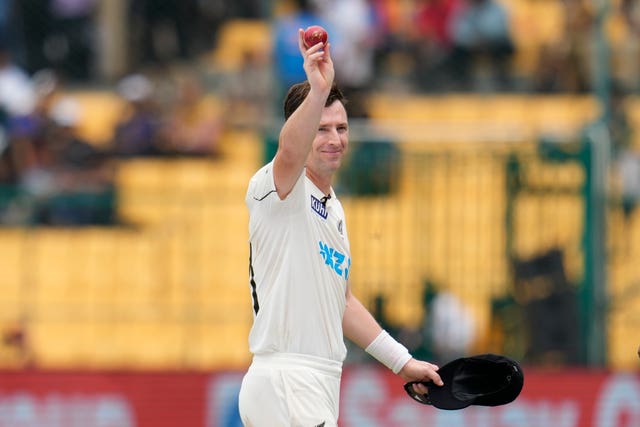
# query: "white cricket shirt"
300,262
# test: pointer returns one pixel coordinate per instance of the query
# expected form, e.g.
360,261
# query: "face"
331,141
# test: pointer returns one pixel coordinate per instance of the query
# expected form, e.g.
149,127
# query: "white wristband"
389,352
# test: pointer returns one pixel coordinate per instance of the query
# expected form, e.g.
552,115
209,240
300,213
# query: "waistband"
295,360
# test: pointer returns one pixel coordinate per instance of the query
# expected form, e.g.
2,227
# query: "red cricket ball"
315,34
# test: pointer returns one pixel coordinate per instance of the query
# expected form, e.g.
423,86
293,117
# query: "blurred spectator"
16,346
61,179
578,45
6,18
80,190
5,10
247,9
248,93
620,127
286,53
449,325
193,124
82,176
549,75
383,22
433,42
8,173
17,101
394,56
70,48
550,306
17,96
17,162
353,41
628,167
34,24
212,14
138,132
29,133
626,159
564,66
163,30
630,12
481,36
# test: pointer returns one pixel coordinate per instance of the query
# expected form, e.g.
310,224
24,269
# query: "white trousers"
290,390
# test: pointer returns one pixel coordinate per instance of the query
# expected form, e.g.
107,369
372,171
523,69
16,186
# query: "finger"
316,55
420,388
301,45
318,47
327,52
433,376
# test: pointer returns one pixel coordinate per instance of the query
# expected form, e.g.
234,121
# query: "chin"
334,158
335,165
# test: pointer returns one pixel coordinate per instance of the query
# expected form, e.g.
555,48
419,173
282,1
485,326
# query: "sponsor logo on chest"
318,207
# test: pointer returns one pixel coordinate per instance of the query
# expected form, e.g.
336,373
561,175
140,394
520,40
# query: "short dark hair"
299,91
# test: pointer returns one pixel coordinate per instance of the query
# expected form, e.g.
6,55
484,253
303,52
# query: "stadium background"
512,201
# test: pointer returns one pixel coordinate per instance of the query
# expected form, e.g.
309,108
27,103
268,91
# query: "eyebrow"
330,123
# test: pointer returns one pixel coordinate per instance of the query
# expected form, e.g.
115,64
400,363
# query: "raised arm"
299,131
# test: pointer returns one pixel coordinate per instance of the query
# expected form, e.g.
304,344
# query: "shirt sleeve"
262,193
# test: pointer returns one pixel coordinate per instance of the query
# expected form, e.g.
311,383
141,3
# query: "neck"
323,183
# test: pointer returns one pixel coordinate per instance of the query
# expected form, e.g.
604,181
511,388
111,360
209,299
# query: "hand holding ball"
315,34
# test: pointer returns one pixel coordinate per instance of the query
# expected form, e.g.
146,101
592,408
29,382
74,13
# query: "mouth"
333,155
332,152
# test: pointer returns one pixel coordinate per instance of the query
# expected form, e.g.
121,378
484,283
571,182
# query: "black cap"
484,380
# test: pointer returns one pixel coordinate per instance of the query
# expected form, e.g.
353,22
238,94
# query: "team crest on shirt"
319,207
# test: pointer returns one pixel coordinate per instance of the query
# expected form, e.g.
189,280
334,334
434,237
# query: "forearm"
296,139
358,324
299,131
361,328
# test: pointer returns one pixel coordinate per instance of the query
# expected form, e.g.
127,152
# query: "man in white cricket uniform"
299,268
300,264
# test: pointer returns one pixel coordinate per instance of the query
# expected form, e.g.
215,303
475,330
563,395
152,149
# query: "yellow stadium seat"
61,343
101,111
14,259
534,24
238,36
151,343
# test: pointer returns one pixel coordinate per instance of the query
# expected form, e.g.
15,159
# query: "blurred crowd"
465,45
66,35
50,175
430,45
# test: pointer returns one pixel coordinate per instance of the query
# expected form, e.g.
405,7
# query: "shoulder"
262,185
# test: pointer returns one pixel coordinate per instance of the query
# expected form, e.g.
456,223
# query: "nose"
335,137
